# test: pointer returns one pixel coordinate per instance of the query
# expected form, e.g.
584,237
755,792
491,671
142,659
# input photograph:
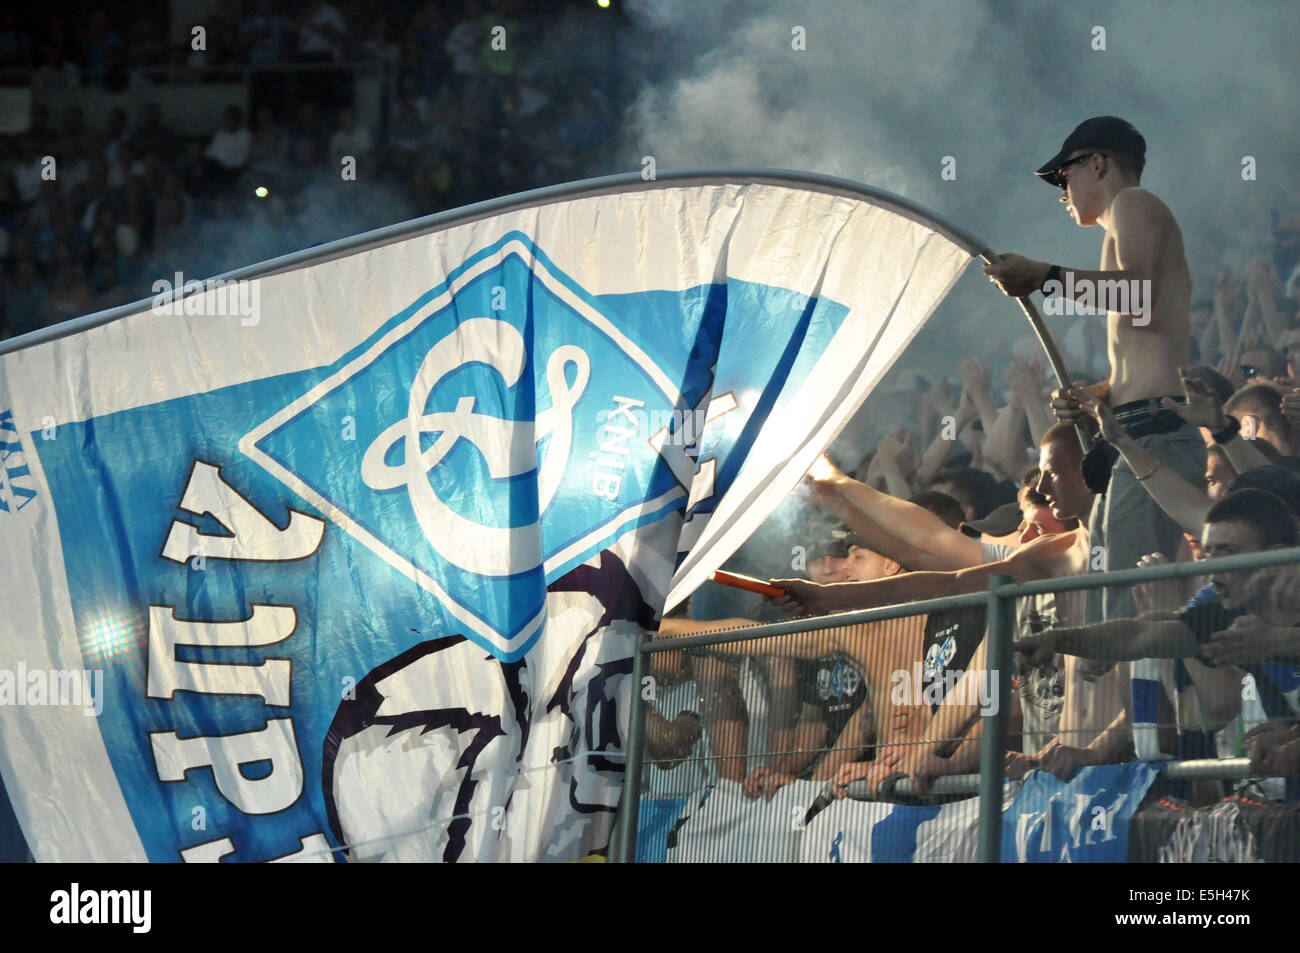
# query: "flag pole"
1049,346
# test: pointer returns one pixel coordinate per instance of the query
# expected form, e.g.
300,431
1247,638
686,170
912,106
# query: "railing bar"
1119,577
1239,562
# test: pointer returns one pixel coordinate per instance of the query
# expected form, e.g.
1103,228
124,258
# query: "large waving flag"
344,555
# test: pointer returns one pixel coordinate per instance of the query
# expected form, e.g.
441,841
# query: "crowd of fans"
94,209
995,479
991,477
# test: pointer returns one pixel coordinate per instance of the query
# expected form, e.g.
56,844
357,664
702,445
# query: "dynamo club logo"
498,440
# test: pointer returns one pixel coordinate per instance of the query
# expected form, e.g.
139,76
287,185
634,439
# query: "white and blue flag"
344,557
1084,820
721,825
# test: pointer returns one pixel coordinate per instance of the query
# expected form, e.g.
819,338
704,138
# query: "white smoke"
885,90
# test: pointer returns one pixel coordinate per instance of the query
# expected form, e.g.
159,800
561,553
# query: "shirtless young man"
1088,707
876,650
820,695
1098,170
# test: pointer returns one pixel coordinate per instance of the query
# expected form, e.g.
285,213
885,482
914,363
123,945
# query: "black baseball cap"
1003,520
1100,132
831,538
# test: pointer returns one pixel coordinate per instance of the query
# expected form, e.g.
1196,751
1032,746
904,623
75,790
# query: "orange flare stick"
746,582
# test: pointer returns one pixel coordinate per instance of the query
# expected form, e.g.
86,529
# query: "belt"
1143,418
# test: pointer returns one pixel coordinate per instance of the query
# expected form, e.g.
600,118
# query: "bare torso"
1144,360
881,650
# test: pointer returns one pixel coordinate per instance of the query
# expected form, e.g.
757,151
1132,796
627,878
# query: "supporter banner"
725,826
1085,820
867,832
351,548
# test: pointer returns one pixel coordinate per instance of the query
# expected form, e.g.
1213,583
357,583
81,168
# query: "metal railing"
999,600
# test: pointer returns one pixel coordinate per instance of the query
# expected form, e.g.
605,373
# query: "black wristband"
1053,274
1230,430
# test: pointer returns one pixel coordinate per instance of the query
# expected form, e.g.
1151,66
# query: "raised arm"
1227,312
1025,379
945,438
1205,409
798,645
977,382
811,598
1112,746
1123,640
1005,446
1263,287
1185,503
1115,744
894,449
873,535
677,627
1141,225
1042,558
912,525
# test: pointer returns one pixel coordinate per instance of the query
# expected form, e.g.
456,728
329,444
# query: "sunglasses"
1078,160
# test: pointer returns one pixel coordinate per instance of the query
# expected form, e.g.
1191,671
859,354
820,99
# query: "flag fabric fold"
344,555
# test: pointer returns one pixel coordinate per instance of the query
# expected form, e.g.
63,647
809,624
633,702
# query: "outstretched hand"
1035,650
1025,381
1100,411
936,399
895,445
1167,595
975,376
1248,639
1261,281
803,597
1203,408
821,480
